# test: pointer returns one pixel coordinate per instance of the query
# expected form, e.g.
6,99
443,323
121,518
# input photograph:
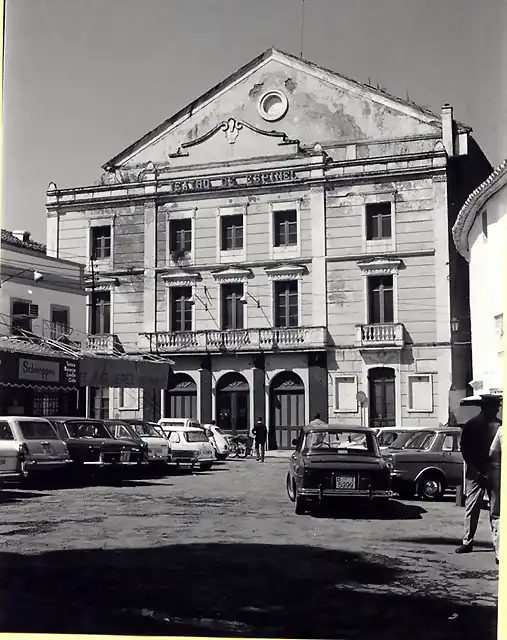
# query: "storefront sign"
126,374
232,182
68,373
38,370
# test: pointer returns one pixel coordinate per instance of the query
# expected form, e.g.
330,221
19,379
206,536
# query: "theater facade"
285,241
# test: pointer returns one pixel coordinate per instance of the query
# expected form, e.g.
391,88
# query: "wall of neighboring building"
487,290
62,286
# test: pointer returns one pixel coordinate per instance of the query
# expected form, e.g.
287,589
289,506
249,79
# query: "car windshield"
340,441
78,429
123,430
420,440
146,430
195,436
392,438
37,430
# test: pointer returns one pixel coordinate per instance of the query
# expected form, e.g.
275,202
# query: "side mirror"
295,442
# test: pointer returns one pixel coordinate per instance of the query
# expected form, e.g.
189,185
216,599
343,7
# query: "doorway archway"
382,392
233,402
286,408
181,397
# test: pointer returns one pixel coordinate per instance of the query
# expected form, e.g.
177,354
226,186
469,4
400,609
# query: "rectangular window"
180,236
345,394
484,223
5,431
232,232
181,309
99,403
378,221
129,399
420,393
22,314
286,304
380,300
59,325
100,313
100,243
285,228
232,307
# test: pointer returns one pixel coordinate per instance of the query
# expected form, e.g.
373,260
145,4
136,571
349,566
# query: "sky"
84,79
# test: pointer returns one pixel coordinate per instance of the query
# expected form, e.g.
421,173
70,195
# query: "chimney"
448,129
24,236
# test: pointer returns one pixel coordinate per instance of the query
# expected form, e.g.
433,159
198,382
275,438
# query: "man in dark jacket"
260,433
476,439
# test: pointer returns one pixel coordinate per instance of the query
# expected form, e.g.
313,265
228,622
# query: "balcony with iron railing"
380,336
239,340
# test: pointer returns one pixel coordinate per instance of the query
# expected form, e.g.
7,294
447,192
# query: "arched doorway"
382,409
181,397
233,403
286,408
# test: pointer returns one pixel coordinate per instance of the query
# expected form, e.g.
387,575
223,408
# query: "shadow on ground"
391,510
226,590
9,496
443,541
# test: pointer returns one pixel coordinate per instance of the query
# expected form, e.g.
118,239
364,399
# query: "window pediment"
380,266
101,283
232,275
285,271
181,278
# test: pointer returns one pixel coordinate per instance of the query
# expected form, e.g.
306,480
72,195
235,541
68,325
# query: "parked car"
336,462
29,446
90,443
394,436
179,422
122,431
428,464
218,439
190,446
159,452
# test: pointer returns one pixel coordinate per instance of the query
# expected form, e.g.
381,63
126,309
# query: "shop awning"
127,373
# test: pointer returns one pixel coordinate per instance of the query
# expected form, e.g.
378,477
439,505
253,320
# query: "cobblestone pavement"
223,554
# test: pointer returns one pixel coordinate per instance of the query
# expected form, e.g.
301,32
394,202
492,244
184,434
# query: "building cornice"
473,204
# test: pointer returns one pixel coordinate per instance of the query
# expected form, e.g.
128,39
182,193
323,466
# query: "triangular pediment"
279,93
232,273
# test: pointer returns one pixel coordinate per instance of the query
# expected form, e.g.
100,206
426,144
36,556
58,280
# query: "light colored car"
190,446
218,439
29,446
395,437
159,451
179,422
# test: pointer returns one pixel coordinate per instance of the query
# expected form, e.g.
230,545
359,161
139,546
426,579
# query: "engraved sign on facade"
232,182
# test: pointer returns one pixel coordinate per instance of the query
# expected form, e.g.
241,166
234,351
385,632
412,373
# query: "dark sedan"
123,431
336,462
90,443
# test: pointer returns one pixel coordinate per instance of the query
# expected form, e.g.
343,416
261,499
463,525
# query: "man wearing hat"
477,437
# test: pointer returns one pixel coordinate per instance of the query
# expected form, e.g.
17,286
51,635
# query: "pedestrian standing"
260,433
477,437
494,477
316,422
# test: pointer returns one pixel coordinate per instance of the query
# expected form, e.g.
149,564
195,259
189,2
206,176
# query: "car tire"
205,466
291,489
430,487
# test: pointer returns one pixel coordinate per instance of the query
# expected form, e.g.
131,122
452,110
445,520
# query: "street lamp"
37,276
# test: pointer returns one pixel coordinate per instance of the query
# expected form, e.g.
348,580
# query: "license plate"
345,482
125,456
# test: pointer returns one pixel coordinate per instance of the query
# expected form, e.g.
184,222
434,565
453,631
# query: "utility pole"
302,27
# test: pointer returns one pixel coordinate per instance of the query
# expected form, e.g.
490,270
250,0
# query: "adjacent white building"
480,235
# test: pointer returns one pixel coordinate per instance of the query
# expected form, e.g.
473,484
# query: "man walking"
260,433
477,437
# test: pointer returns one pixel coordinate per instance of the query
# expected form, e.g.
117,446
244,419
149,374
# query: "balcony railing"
272,339
383,336
103,343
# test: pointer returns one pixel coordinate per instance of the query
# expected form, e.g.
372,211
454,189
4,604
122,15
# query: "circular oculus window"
273,105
